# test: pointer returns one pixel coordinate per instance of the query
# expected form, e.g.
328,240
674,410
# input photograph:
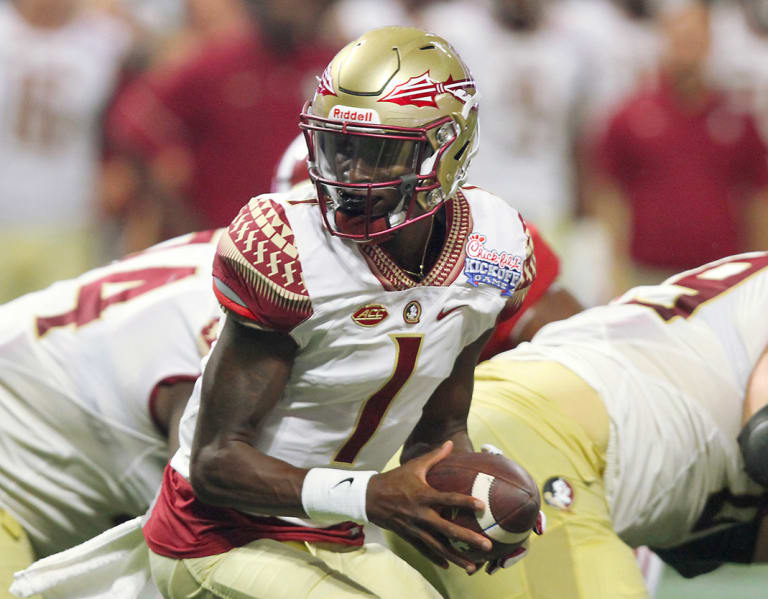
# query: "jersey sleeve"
547,267
257,271
528,276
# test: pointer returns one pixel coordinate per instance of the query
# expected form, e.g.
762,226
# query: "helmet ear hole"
460,153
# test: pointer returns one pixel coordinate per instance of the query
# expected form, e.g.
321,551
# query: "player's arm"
441,429
243,380
753,438
557,303
444,416
168,403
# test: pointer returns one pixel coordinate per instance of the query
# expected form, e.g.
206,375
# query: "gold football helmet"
390,131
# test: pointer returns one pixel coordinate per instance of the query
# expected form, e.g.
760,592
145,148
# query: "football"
508,491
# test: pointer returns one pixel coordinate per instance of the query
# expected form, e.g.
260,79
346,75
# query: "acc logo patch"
370,315
558,493
491,267
412,312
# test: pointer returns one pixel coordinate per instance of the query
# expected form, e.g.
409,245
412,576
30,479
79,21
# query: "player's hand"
401,500
505,561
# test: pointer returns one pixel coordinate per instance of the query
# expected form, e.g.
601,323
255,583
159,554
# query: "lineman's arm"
761,545
757,388
556,304
169,402
753,438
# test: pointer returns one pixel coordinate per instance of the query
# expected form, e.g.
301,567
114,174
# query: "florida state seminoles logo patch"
412,312
370,315
558,493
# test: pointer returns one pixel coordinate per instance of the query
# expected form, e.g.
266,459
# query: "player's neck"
417,247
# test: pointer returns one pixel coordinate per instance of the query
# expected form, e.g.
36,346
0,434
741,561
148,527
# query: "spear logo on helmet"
325,83
422,90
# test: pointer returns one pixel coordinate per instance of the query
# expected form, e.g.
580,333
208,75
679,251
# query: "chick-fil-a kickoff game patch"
491,267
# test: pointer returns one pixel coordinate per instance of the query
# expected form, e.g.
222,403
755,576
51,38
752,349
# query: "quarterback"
355,314
643,422
92,371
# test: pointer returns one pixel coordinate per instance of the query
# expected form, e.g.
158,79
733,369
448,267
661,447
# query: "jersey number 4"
702,285
91,300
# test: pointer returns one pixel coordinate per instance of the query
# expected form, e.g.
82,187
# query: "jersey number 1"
375,407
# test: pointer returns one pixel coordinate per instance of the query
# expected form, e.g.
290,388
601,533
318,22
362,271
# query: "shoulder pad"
260,269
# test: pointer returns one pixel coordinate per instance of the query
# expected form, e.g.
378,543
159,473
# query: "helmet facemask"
373,179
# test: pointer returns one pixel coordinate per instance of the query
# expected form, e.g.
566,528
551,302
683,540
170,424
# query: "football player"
644,423
356,312
94,373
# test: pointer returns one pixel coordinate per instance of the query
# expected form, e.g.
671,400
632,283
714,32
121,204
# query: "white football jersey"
79,362
54,84
671,362
374,345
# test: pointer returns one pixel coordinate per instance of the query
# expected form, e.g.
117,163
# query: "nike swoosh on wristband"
349,480
443,312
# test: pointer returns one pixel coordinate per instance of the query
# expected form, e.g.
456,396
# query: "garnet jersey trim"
258,262
449,264
181,526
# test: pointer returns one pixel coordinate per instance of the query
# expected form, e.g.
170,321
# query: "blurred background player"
204,133
738,61
685,172
630,418
619,42
59,63
94,373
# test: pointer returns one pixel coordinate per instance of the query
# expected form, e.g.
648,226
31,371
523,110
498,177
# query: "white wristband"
331,495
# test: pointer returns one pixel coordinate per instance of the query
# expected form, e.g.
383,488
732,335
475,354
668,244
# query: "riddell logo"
355,115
